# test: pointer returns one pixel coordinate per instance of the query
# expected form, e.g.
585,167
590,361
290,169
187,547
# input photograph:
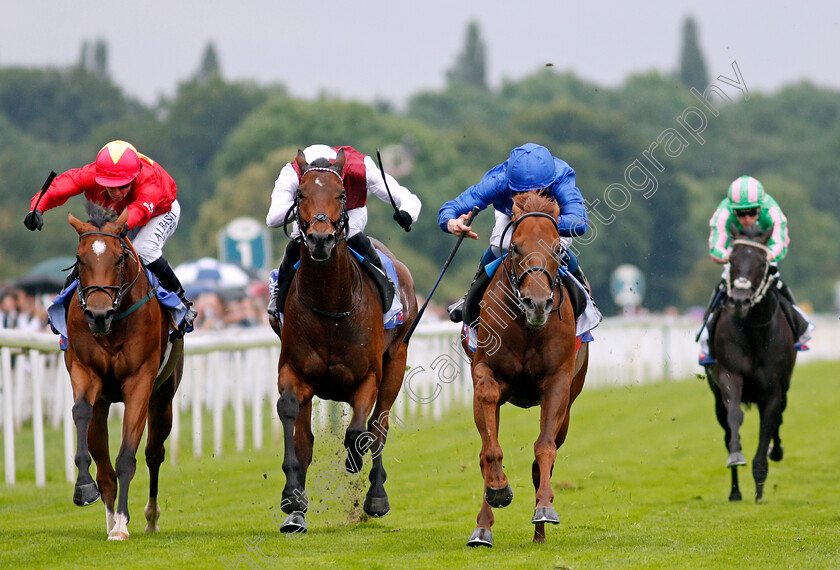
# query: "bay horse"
117,337
527,355
754,347
333,343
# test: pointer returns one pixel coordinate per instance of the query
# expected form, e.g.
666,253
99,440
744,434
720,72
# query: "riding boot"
802,325
169,281
285,273
361,244
456,309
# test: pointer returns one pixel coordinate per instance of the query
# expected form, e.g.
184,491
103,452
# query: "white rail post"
197,389
236,372
37,366
8,419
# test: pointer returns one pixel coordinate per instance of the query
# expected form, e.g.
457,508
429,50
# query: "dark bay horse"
333,344
753,344
526,354
117,337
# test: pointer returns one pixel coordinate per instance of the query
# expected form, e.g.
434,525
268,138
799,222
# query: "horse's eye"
299,195
514,249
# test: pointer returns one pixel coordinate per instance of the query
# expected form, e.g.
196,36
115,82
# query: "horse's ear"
77,224
733,231
764,237
300,159
339,160
517,210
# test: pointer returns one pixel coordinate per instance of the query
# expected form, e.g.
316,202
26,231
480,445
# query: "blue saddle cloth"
57,311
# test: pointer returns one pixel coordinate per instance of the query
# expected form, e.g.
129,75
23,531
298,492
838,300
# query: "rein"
515,279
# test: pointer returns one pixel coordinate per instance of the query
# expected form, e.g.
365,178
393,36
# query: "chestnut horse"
526,355
753,345
333,343
117,337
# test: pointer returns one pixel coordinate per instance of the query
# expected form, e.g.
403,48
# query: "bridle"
339,226
339,231
115,292
514,278
742,283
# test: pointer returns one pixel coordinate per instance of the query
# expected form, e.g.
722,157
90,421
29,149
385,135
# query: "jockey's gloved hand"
403,218
34,221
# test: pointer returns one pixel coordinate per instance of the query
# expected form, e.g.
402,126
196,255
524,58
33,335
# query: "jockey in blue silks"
529,167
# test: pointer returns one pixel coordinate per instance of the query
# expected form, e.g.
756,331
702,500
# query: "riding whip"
408,334
46,185
390,197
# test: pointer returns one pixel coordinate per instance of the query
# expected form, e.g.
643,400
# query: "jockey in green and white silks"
747,204
745,195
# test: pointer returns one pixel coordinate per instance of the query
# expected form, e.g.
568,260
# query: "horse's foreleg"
393,369
730,386
160,426
106,477
134,422
356,440
294,502
304,440
770,419
487,399
85,492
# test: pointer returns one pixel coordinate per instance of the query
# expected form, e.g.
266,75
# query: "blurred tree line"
225,142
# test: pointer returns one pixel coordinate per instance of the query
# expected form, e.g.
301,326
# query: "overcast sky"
391,49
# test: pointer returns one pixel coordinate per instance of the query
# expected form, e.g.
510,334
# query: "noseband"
115,292
742,283
515,278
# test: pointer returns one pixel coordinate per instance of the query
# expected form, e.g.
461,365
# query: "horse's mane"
534,201
98,215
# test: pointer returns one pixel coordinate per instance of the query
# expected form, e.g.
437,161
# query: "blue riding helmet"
530,167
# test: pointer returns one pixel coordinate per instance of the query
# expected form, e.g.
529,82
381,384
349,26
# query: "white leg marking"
109,520
120,530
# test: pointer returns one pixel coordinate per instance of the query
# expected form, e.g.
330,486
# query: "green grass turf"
640,483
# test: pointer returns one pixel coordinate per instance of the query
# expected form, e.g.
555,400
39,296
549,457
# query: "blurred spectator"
8,309
210,311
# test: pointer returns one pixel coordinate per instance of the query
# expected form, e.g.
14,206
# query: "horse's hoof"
376,506
545,515
481,537
118,535
736,458
295,523
759,493
85,495
734,496
775,453
498,498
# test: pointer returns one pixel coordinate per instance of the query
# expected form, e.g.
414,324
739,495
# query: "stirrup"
456,310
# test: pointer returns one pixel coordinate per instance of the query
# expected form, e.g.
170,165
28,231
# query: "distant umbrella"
209,274
46,277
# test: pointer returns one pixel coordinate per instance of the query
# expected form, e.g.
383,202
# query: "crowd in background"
23,310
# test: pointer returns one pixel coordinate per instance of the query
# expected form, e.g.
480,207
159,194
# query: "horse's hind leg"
160,426
554,425
106,477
